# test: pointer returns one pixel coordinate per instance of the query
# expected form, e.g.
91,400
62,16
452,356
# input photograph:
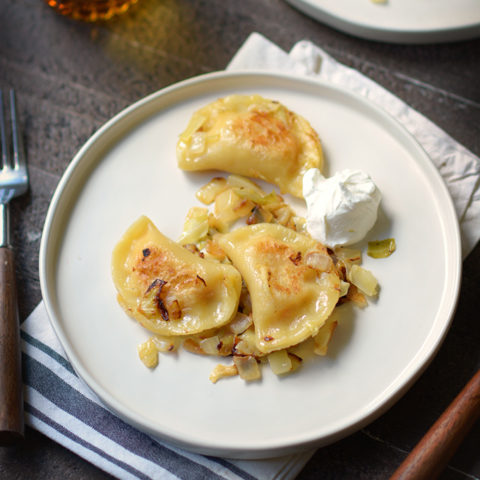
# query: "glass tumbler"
90,10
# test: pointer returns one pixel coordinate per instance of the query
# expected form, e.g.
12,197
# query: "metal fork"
13,182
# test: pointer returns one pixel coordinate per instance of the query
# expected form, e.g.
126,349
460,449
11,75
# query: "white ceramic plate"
399,21
128,168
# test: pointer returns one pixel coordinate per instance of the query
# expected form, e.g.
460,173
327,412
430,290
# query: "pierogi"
252,136
168,289
292,282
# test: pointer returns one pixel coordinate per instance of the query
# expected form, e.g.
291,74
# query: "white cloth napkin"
60,405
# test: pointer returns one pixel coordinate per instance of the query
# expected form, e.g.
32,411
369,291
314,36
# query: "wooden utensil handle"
11,388
431,455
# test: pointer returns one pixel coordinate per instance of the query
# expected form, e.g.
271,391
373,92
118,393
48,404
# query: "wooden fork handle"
431,455
11,388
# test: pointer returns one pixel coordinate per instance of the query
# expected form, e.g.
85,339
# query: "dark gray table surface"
71,77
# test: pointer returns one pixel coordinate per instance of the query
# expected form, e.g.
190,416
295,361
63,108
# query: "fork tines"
13,167
18,158
3,135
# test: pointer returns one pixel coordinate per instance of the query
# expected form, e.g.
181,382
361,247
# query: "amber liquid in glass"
91,10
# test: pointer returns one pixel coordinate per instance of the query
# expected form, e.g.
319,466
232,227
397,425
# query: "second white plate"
128,168
398,21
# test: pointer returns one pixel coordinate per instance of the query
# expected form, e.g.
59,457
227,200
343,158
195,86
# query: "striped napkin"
60,405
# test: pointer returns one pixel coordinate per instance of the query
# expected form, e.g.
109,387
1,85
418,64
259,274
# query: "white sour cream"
340,209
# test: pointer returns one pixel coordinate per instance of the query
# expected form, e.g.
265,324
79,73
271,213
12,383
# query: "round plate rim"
281,447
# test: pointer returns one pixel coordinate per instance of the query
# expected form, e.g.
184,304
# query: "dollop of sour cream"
340,209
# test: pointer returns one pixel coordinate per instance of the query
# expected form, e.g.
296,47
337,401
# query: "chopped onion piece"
217,224
247,344
229,207
381,248
356,296
244,347
318,261
272,200
295,360
222,371
280,362
196,122
148,305
198,143
259,215
350,255
248,368
283,215
148,353
210,345
209,191
249,194
302,350
240,323
300,224
323,337
226,344
245,185
195,227
344,287
364,280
